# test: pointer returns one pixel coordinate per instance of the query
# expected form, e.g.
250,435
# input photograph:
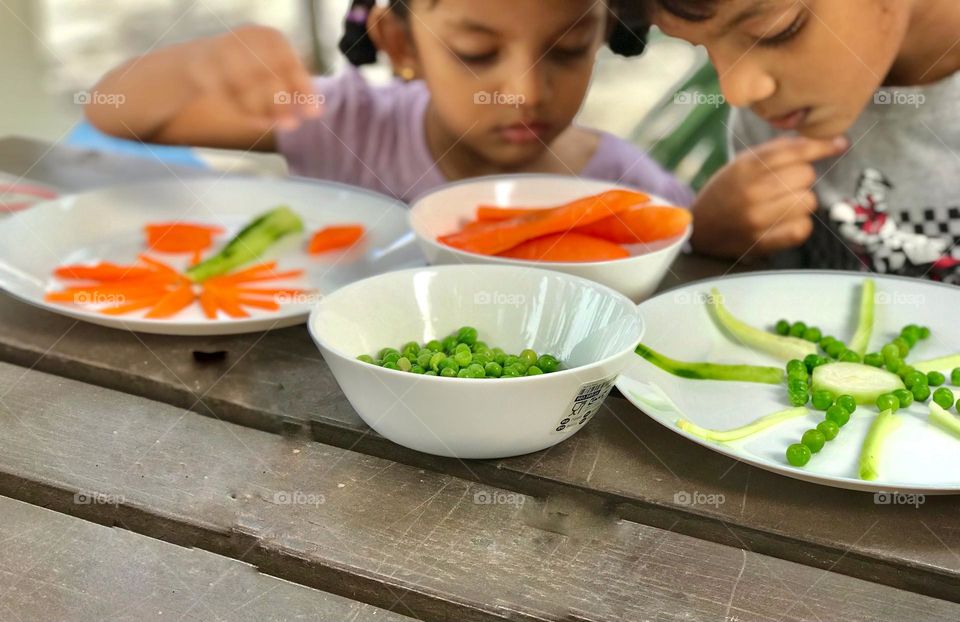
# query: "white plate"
918,458
107,224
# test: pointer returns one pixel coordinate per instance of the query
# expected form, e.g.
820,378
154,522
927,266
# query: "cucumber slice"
861,339
761,424
881,428
863,382
946,421
711,371
944,364
786,348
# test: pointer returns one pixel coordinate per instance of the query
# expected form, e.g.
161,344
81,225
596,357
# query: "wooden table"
141,484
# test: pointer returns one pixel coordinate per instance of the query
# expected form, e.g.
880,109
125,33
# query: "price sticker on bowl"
585,405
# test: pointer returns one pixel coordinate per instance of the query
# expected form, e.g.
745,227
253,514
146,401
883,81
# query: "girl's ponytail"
356,43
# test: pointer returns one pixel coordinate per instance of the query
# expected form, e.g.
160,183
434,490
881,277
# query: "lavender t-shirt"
374,137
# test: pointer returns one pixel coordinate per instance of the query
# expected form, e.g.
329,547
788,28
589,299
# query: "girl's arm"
228,91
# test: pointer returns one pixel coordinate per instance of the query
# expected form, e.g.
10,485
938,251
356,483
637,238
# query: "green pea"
838,414
449,363
404,363
434,345
429,372
902,346
874,359
914,378
467,335
904,396
822,400
935,379
783,327
500,358
417,369
510,360
391,357
836,348
906,370
955,377
826,341
890,351
813,361
547,363
463,358
383,353
814,440
921,392
848,403
510,372
829,429
533,370
529,357
424,358
475,371
796,369
849,356
798,329
436,360
412,346
463,373
366,358
480,346
449,343
798,454
812,334
493,369
944,397
482,358
391,365
910,334
798,398
888,401
894,365
924,332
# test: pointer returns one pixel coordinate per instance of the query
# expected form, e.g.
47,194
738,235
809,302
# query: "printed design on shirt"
906,244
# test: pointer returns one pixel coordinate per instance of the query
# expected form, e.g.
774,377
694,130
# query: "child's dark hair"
628,33
690,10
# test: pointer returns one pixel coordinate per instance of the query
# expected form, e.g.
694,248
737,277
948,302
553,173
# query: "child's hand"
226,91
763,201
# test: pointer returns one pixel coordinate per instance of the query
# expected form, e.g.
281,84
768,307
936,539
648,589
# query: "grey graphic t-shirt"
892,203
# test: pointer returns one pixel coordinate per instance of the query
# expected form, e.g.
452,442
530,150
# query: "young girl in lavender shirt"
484,88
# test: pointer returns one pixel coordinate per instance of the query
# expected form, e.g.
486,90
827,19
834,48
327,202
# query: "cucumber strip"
945,363
863,382
861,339
943,419
786,348
885,423
712,371
761,424
249,244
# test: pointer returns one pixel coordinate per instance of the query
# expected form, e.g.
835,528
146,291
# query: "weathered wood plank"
278,381
57,567
418,542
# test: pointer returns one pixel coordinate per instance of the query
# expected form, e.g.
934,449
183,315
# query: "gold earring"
408,74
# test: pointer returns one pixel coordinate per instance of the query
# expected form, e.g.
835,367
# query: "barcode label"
585,405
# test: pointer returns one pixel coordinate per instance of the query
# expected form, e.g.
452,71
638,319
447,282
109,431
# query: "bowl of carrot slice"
610,234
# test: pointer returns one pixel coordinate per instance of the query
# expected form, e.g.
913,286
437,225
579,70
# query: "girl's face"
805,65
506,76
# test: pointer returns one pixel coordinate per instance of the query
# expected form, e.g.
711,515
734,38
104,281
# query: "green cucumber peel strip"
881,428
863,382
943,419
725,436
861,339
945,363
712,371
245,247
786,348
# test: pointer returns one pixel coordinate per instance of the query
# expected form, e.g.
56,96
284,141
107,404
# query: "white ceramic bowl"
445,211
590,328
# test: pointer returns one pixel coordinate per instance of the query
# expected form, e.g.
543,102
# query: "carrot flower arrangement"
221,284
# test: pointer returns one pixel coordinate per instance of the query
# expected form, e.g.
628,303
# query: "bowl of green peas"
476,361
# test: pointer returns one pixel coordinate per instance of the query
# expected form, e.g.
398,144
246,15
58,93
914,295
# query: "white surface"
449,208
917,458
107,224
589,328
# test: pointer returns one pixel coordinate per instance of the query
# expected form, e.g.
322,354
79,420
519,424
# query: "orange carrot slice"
130,307
568,247
258,303
208,302
226,301
336,237
228,281
174,302
495,213
232,277
497,237
646,224
180,237
270,292
103,271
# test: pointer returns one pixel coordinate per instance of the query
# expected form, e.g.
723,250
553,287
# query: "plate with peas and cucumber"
844,379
